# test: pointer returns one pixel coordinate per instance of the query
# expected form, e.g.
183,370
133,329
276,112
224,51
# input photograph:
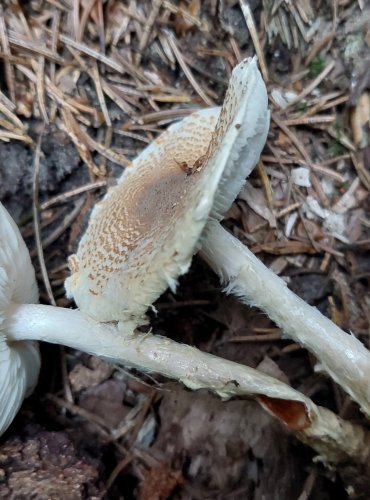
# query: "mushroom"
334,439
143,234
19,362
113,282
118,272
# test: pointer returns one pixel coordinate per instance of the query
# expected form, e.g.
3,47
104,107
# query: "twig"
35,206
156,5
312,85
186,69
252,30
9,73
94,73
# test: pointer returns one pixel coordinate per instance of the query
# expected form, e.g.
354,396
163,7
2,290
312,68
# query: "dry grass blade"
266,185
361,170
67,221
318,47
56,94
9,73
74,132
288,209
114,93
173,114
294,139
305,92
132,70
14,118
80,23
97,421
84,49
33,46
340,136
267,337
5,101
7,136
40,88
174,9
36,219
55,27
111,155
187,71
64,197
309,120
10,126
156,5
328,173
252,30
132,135
14,59
99,91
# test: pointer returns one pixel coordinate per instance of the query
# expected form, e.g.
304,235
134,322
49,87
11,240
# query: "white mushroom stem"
334,439
340,354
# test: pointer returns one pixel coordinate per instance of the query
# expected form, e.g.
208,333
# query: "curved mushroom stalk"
339,354
19,363
335,440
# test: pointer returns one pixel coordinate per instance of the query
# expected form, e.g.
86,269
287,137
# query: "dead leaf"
105,400
284,248
315,231
182,22
159,483
256,200
82,377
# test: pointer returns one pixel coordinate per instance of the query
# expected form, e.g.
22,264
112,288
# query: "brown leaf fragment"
284,247
312,228
184,23
256,200
159,483
105,401
82,377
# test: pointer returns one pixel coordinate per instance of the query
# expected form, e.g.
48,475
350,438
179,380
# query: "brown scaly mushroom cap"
143,234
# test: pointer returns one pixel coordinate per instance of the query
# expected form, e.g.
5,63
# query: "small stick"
252,30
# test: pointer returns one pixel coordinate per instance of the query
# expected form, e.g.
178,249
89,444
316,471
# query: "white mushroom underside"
143,234
19,362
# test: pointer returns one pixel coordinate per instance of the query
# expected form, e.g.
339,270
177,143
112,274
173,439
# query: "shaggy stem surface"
338,353
334,439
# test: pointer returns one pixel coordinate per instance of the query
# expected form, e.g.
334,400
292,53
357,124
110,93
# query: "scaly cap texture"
143,234
19,362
